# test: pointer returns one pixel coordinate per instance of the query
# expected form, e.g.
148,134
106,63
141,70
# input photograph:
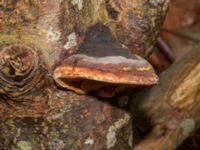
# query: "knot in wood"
17,60
135,24
24,81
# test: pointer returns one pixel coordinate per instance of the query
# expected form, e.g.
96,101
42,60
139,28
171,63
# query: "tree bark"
35,36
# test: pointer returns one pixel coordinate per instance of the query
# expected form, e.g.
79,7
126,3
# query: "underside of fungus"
103,65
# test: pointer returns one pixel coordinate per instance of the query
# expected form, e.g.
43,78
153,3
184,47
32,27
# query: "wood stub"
23,81
136,24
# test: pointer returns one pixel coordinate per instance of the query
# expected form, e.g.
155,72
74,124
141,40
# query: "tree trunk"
35,36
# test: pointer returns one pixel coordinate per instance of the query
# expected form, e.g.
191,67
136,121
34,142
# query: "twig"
180,35
166,50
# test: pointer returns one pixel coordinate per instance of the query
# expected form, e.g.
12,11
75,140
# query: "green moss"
24,145
188,125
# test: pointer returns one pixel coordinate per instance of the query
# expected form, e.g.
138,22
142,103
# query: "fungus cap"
83,73
103,65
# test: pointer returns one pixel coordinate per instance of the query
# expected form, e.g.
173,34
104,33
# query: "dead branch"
173,106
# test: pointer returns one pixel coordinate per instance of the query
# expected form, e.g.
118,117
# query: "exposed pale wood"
173,106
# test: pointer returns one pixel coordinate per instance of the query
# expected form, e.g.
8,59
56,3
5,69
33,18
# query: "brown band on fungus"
23,81
103,65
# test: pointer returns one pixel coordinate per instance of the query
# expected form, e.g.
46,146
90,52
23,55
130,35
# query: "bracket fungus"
103,65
